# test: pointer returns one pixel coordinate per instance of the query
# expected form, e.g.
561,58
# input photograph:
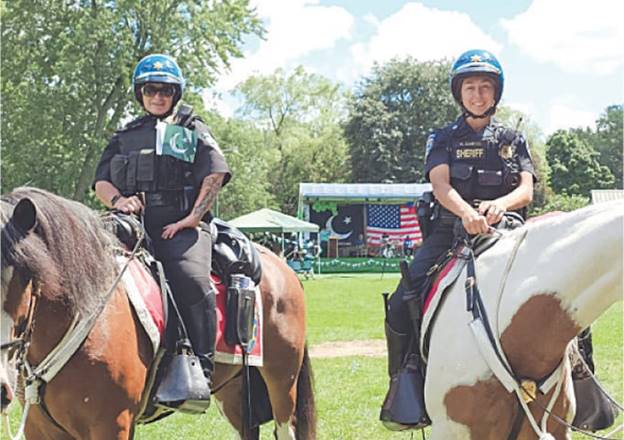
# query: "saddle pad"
144,295
435,296
228,354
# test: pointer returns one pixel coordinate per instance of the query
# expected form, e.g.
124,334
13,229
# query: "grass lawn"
349,390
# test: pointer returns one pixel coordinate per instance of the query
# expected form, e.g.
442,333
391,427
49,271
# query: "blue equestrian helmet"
158,68
474,62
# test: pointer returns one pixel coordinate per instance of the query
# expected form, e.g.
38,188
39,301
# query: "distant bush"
561,202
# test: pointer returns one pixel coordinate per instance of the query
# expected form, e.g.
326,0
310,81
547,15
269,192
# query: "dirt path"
371,347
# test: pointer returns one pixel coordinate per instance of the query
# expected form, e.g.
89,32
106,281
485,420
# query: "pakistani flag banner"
176,141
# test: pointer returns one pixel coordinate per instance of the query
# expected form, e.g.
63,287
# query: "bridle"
489,345
18,346
36,377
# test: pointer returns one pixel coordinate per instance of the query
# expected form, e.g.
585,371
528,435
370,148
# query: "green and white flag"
176,141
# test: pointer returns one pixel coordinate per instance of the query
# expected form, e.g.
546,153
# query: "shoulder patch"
204,135
429,145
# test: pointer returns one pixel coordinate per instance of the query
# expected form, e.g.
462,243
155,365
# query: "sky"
563,59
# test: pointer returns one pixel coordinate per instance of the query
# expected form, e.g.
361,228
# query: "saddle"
234,258
450,265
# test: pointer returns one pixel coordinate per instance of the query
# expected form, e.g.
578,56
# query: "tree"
392,114
300,114
250,160
607,140
537,149
574,165
561,202
67,70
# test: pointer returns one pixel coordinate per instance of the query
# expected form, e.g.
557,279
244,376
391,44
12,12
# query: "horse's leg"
228,399
284,327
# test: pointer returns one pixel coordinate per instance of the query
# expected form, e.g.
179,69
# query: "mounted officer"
170,168
479,169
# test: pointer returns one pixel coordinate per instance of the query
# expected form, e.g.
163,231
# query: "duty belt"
164,198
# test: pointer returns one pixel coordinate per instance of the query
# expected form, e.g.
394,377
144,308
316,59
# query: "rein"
488,342
40,375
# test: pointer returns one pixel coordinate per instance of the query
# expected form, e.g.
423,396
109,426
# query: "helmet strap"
467,113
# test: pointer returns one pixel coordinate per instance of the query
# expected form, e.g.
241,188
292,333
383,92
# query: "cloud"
562,116
424,33
578,36
294,29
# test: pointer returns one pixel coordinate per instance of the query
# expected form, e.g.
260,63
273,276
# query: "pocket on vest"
490,177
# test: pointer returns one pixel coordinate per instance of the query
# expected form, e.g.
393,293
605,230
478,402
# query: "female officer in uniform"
479,170
178,190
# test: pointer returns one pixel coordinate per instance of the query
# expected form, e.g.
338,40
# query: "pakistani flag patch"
176,141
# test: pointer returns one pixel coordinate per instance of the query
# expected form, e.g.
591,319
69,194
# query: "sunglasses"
151,90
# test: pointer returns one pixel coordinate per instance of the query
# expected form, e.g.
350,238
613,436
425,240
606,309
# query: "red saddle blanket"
145,296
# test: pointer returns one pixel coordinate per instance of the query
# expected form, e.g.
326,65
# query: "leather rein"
489,345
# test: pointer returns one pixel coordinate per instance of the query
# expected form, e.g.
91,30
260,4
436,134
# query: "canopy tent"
342,209
361,192
267,220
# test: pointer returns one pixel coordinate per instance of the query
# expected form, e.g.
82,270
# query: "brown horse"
57,262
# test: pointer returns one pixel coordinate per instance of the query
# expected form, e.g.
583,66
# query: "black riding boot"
404,405
201,324
185,385
594,410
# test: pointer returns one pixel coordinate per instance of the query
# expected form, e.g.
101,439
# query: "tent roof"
363,192
267,220
606,195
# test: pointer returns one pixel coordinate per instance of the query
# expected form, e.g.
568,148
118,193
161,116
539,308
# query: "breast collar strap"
493,354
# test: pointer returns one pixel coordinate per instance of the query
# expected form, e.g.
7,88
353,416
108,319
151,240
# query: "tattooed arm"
207,195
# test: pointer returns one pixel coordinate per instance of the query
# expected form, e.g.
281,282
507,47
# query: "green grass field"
349,390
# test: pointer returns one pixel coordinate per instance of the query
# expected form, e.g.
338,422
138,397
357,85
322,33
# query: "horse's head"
17,224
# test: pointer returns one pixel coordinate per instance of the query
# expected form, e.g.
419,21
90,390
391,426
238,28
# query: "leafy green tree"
300,115
608,141
250,161
392,114
574,165
537,149
66,74
561,202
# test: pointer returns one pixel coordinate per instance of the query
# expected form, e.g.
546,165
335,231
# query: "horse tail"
305,409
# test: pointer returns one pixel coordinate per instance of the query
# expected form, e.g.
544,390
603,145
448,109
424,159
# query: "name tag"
469,153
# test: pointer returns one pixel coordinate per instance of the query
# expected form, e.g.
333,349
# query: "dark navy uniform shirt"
141,133
485,164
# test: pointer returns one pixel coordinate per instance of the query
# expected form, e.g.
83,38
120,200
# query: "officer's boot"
185,385
202,330
397,344
594,410
404,406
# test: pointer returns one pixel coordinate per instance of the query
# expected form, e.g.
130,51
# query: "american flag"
396,221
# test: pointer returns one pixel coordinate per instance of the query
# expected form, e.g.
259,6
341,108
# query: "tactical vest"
483,167
137,167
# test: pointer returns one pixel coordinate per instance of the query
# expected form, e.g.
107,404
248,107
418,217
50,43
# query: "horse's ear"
25,215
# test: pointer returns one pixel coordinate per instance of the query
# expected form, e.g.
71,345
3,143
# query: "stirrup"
184,387
404,405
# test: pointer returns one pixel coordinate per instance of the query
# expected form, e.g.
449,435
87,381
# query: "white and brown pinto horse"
541,285
57,261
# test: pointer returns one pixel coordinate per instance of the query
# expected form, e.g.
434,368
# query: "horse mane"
69,253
